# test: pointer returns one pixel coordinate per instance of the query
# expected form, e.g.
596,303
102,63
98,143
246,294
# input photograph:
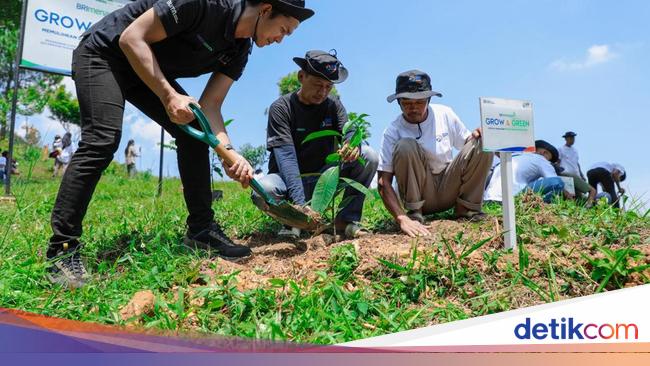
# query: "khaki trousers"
462,181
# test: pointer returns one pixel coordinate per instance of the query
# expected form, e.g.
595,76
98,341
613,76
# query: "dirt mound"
279,258
298,259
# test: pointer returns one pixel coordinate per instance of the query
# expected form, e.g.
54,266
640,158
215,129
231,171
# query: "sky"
585,66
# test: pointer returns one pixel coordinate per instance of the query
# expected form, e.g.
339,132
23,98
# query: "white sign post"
53,29
507,127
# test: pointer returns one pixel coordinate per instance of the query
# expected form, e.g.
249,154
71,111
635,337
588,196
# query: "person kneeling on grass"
296,115
416,149
135,54
532,171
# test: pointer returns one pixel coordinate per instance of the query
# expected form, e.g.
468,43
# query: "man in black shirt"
135,54
292,118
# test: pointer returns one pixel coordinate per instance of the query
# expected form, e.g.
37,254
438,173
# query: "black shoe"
214,239
67,268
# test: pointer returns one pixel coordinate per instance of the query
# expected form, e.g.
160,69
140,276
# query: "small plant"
32,155
615,267
343,261
330,184
457,271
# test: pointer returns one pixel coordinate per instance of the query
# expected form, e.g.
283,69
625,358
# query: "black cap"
292,8
555,155
324,65
413,84
570,134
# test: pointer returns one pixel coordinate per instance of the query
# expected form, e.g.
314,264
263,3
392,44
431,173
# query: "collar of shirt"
233,19
427,123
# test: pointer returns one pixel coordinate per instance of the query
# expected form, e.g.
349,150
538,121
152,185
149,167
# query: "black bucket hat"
570,134
555,155
292,8
324,65
413,84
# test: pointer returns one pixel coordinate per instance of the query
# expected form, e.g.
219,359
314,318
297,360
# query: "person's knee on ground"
363,174
274,186
550,188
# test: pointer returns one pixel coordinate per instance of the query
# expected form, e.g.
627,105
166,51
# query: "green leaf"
363,308
358,186
523,257
333,158
474,247
228,122
357,138
344,202
320,134
277,282
347,126
394,266
325,189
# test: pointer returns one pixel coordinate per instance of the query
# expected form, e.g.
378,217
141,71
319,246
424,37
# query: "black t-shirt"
290,121
200,36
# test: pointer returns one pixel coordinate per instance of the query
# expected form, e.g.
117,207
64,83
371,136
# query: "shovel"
282,211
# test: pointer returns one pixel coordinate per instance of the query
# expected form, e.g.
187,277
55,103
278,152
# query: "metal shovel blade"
286,213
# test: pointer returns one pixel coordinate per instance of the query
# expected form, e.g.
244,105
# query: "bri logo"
568,328
327,122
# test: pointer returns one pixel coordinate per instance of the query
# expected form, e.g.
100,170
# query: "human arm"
135,41
616,176
211,101
287,161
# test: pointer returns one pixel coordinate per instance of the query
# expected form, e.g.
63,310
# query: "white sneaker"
293,233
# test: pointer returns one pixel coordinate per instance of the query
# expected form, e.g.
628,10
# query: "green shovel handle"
208,137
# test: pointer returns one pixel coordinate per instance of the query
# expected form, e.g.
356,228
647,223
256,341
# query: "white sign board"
53,29
507,125
569,185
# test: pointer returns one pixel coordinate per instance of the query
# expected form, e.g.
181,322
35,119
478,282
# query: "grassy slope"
371,287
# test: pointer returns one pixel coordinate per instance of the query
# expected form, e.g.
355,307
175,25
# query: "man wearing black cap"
135,54
530,171
416,148
292,118
569,158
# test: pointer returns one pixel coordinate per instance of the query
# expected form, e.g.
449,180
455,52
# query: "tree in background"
290,84
64,108
32,135
35,87
256,156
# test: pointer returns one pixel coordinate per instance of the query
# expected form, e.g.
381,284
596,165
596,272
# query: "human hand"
240,171
348,153
412,228
177,107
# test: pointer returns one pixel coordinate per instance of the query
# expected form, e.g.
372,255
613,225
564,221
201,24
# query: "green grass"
133,243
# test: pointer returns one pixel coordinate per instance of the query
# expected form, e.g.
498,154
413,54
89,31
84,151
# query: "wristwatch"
228,147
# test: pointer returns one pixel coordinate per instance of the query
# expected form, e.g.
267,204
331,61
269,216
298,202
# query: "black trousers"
102,89
604,177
